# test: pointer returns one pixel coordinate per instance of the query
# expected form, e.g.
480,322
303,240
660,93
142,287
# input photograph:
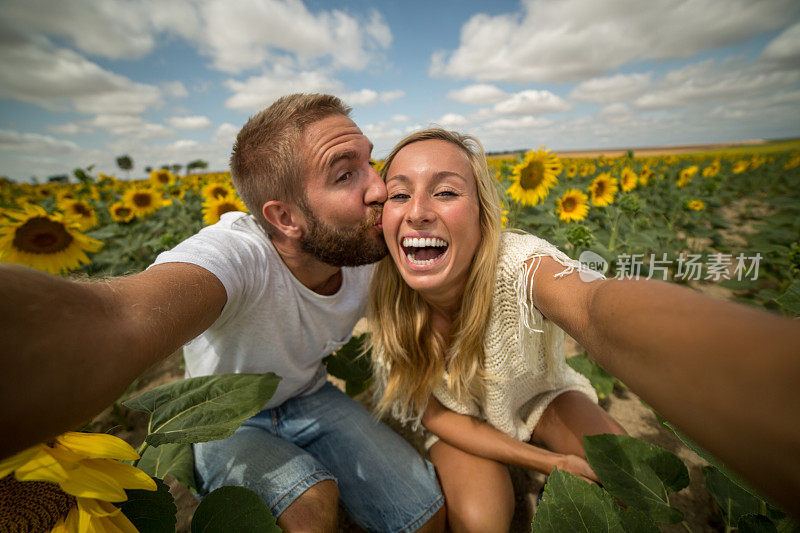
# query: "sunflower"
793,162
739,167
177,193
162,178
686,175
213,209
712,169
697,205
121,212
216,191
629,180
504,218
48,242
573,206
644,175
143,201
587,168
533,178
81,212
67,485
572,170
602,189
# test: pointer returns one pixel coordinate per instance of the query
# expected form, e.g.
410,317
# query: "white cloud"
452,120
518,123
183,144
34,143
531,103
189,123
130,126
708,82
258,92
572,40
784,50
69,128
401,118
478,94
611,88
175,89
614,110
390,96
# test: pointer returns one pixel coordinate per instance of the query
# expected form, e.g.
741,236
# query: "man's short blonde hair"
267,161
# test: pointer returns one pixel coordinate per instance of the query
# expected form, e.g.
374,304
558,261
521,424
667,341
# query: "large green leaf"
230,509
151,511
602,381
639,474
756,524
205,408
790,300
175,459
571,505
349,364
733,500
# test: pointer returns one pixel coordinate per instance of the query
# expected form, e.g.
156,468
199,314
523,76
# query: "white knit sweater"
523,350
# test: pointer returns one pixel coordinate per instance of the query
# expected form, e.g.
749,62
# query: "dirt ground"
623,405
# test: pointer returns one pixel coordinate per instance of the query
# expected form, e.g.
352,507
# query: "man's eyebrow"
344,154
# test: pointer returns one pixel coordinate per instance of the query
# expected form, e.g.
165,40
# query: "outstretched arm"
474,436
725,374
71,348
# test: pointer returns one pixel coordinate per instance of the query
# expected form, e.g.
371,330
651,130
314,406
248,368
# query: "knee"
316,510
477,516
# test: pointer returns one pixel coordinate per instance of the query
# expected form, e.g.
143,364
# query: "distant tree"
176,168
196,164
148,170
124,162
165,167
58,178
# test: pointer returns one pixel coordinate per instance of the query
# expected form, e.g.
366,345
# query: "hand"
577,466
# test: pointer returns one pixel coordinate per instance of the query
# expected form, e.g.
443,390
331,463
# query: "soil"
640,422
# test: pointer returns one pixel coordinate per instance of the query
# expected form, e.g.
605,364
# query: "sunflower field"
725,222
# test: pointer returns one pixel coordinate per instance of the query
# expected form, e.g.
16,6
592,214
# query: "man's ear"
284,217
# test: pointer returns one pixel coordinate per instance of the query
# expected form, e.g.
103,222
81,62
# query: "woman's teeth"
429,248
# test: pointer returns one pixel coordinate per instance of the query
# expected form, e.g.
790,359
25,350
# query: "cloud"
572,40
60,79
175,89
34,143
401,118
130,126
531,102
189,123
784,50
258,92
518,123
706,81
611,88
368,97
452,120
478,94
246,34
390,96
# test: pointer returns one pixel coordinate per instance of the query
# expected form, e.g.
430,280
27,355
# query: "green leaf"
233,509
205,408
151,510
790,300
753,523
570,505
713,461
602,381
640,474
175,459
348,364
733,500
787,525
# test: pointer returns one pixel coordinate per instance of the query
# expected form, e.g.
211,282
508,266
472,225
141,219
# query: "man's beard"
343,247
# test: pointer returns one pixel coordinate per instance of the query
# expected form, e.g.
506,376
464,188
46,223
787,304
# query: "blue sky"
170,81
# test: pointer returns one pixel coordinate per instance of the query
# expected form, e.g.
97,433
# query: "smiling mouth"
423,250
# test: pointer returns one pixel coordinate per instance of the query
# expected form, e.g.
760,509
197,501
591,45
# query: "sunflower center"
532,175
142,199
122,211
40,235
32,505
162,177
600,188
219,192
569,204
81,209
226,207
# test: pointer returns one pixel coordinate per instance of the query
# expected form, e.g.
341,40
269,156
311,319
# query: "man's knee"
316,510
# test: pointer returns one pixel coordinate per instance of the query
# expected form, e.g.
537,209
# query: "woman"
459,343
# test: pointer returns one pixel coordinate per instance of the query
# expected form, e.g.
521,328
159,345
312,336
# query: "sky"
171,81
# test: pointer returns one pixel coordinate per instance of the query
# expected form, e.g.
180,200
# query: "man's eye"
344,177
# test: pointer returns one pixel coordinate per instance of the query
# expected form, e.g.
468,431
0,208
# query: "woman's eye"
398,196
446,193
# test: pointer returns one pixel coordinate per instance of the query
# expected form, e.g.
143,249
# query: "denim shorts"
384,484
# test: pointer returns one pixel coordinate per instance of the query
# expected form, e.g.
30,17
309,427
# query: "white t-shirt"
271,322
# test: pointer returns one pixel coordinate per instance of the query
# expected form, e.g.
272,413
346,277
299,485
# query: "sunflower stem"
686,526
140,450
613,232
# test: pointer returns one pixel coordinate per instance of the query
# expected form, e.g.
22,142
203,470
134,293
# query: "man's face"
344,195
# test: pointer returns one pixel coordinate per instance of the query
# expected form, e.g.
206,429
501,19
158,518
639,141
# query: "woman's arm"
479,438
726,374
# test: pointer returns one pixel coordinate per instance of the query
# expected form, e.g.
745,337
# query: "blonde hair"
415,356
267,163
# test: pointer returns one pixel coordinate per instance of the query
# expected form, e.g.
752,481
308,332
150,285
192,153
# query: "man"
273,291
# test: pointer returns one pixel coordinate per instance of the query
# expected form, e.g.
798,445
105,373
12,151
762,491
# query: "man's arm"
71,348
725,374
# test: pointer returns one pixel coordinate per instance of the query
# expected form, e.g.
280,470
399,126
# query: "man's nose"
376,188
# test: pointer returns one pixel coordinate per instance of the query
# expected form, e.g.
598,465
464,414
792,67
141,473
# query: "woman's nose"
420,211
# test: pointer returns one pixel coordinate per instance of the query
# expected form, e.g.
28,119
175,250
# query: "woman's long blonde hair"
415,357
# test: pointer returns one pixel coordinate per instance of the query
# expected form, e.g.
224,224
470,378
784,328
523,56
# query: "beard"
343,247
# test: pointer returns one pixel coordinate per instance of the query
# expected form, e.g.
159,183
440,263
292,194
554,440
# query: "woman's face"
431,217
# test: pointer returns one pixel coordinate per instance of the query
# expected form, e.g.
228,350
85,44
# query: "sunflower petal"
97,507
43,467
10,464
98,445
127,476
